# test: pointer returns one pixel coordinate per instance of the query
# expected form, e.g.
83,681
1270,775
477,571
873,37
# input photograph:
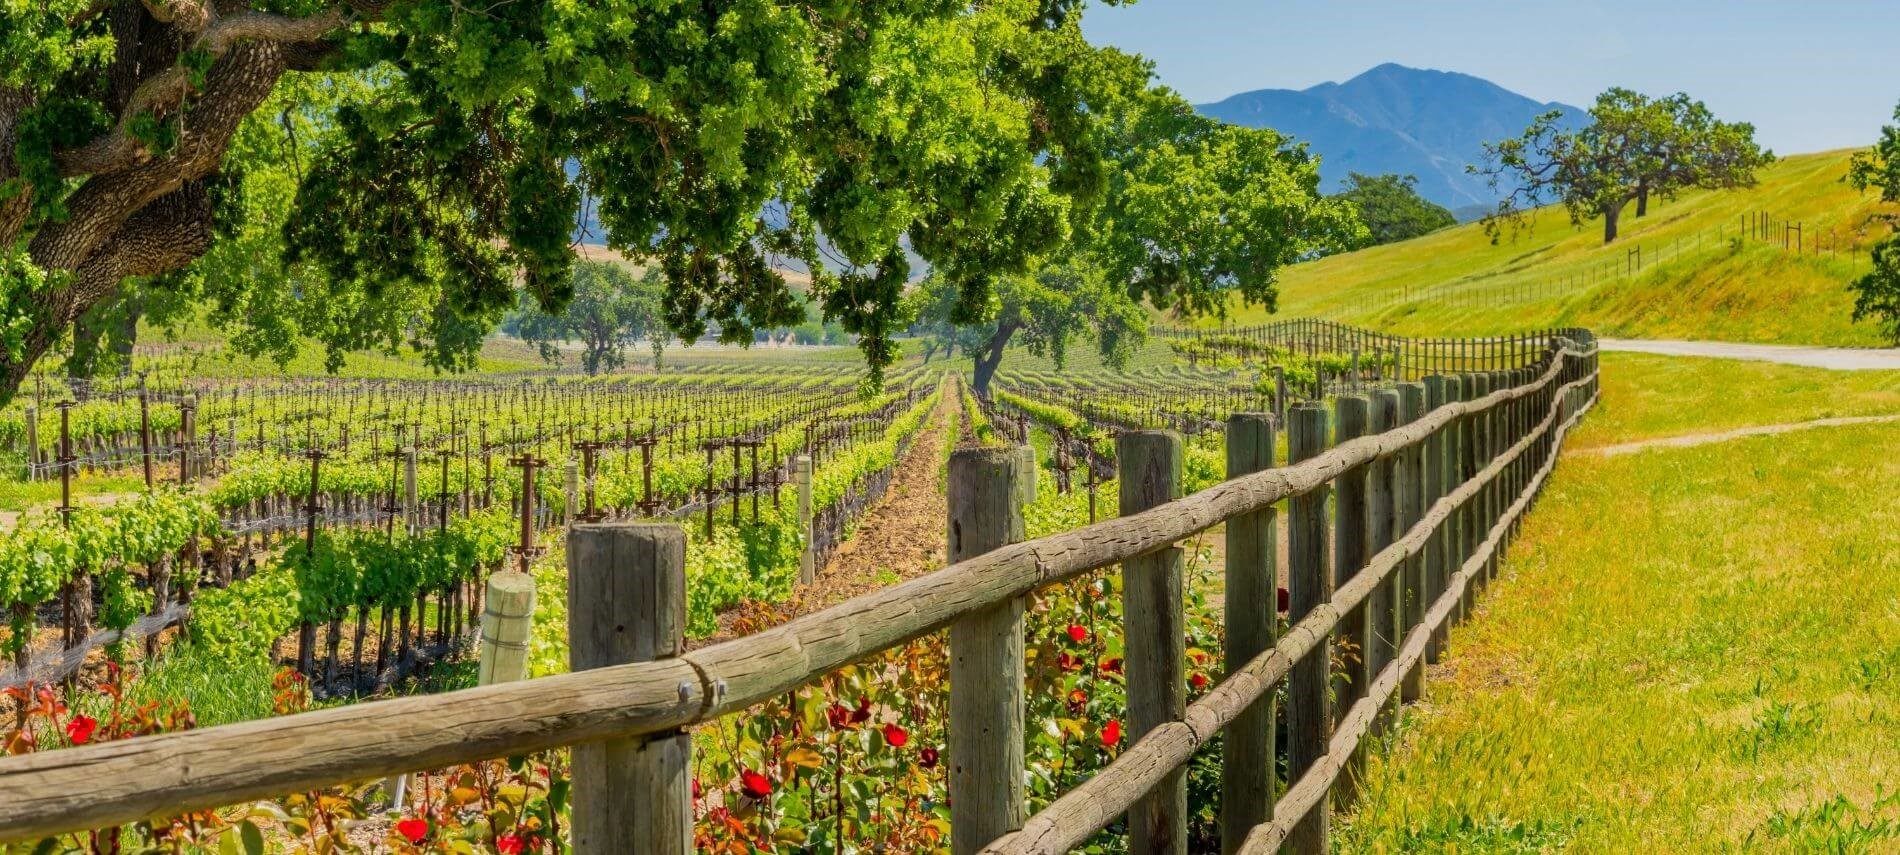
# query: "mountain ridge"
1396,119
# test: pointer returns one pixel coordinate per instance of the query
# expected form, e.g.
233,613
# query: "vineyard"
347,552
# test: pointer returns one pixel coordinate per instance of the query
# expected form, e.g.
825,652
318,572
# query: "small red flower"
1069,662
697,792
508,844
1078,633
413,828
863,712
754,784
895,735
927,758
838,716
80,729
1112,665
1112,733
1286,600
1078,699
1198,680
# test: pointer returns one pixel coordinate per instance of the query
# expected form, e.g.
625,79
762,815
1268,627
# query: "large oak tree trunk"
134,211
990,357
1642,201
1610,215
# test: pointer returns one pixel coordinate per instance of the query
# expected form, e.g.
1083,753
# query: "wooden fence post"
1251,614
1410,485
1026,482
807,561
1309,716
626,602
1383,604
1434,485
1352,414
507,621
1154,635
985,496
409,492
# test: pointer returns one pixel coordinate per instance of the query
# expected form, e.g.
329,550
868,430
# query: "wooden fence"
1396,519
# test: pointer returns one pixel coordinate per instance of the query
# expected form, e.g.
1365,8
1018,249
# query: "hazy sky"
1810,74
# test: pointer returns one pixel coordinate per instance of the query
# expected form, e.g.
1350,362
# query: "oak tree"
1196,214
437,156
1634,147
609,310
1877,293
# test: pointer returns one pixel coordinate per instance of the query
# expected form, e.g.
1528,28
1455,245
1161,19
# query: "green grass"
20,495
1702,287
1646,396
1688,650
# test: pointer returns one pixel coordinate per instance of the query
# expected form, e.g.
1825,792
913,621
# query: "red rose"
754,784
863,712
1077,700
696,790
413,828
1286,600
927,758
1198,680
839,717
1112,665
1112,733
1078,633
1069,662
80,729
508,844
895,735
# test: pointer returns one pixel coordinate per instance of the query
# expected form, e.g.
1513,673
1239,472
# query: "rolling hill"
1696,279
1399,120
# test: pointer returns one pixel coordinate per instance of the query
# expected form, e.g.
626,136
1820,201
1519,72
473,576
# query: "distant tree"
1877,294
609,310
1391,208
1195,211
1635,147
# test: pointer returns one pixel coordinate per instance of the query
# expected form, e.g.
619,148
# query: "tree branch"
118,149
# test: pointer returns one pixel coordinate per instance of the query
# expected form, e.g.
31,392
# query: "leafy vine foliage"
397,173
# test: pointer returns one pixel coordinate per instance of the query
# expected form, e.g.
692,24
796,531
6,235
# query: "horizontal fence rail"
1452,465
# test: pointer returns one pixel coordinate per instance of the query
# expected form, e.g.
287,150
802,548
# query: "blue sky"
1811,75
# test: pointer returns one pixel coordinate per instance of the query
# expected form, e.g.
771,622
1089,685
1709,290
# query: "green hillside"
1695,280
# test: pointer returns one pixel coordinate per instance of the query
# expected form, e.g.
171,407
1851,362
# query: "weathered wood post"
409,503
32,442
1154,633
1409,482
985,495
1382,604
1309,584
507,620
572,470
1352,413
1252,614
1027,484
1433,474
626,602
807,560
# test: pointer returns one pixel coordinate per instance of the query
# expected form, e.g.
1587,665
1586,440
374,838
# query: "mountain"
1396,119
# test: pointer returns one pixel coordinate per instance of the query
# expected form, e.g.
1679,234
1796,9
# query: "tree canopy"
1195,213
397,174
1633,148
1391,208
609,310
1877,293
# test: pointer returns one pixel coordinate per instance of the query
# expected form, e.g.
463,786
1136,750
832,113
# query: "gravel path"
1838,358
